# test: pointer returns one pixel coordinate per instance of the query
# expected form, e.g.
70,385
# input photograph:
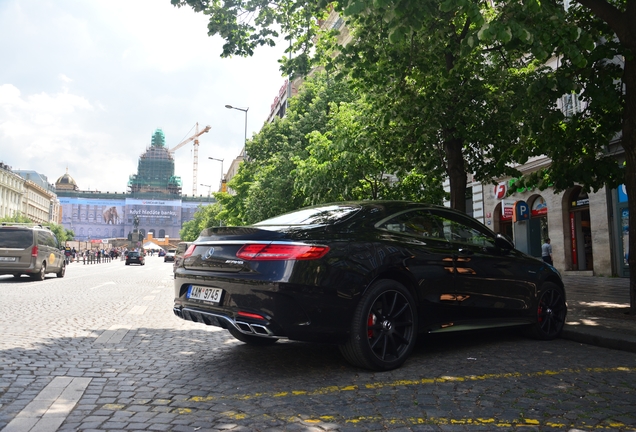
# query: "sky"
84,85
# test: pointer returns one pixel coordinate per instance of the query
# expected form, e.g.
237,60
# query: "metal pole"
245,110
245,140
220,160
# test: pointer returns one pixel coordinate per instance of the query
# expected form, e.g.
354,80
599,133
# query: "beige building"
588,231
39,204
11,192
27,193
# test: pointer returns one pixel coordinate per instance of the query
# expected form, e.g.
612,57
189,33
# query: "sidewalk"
596,312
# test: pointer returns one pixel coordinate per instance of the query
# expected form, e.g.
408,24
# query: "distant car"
30,249
162,253
169,255
369,276
134,257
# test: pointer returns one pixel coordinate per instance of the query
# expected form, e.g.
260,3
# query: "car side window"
42,239
464,230
417,223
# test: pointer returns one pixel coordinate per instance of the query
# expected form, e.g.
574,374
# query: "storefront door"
580,231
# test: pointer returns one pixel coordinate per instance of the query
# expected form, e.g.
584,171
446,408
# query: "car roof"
367,210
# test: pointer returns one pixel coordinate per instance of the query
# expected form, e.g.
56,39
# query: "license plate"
212,295
7,259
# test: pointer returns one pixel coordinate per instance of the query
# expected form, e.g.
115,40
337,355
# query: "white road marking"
51,406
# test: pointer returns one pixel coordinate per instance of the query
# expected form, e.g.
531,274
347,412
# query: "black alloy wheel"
551,313
251,340
384,327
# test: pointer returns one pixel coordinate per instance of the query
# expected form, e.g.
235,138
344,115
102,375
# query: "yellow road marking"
436,421
409,383
495,423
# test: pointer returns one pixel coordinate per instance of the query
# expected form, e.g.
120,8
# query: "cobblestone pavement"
101,350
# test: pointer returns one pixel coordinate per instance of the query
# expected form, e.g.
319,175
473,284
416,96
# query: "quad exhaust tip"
223,321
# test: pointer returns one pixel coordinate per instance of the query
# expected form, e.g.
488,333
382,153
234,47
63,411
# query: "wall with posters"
92,218
161,217
100,218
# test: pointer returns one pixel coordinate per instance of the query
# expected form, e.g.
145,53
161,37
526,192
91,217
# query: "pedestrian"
546,251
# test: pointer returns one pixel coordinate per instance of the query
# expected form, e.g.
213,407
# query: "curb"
600,337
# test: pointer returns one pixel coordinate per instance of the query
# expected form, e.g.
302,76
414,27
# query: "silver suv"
30,249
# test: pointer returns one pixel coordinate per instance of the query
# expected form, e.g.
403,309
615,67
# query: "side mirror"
504,242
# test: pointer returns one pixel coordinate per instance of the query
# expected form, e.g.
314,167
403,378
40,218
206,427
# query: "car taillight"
34,251
264,252
188,252
250,315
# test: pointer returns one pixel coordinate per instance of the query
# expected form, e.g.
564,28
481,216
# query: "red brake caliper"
370,323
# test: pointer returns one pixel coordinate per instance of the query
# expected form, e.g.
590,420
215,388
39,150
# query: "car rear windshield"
313,216
16,238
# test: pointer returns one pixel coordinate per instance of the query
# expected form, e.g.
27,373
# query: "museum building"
154,196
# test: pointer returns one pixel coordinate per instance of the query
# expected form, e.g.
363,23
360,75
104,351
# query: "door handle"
465,251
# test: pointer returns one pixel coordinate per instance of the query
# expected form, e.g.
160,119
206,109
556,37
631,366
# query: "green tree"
267,184
441,92
62,234
327,148
433,75
16,219
352,161
205,217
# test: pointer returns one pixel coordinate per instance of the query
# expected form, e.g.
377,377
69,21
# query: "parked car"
30,249
369,276
169,255
162,253
134,257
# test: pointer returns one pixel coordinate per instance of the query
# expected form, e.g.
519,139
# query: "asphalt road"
101,350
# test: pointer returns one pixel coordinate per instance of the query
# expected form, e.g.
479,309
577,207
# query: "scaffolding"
155,170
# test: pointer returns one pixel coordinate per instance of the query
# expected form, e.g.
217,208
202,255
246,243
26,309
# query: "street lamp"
220,160
245,141
209,188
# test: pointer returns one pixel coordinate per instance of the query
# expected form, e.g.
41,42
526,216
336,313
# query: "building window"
571,104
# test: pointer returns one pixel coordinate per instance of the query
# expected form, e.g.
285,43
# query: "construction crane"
194,138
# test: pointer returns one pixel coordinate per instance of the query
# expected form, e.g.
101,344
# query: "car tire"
39,276
251,340
551,312
384,327
62,271
127,263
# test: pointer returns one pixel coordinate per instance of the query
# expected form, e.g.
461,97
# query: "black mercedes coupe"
369,276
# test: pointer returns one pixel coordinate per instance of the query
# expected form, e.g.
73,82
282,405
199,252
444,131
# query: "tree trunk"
622,23
456,173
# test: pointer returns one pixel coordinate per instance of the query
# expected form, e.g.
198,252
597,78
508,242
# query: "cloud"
85,84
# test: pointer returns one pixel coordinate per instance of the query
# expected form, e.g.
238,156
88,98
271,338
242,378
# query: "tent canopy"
151,245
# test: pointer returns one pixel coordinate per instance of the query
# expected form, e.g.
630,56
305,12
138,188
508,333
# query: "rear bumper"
223,321
7,269
291,311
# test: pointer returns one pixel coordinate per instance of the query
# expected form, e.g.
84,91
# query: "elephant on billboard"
111,216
